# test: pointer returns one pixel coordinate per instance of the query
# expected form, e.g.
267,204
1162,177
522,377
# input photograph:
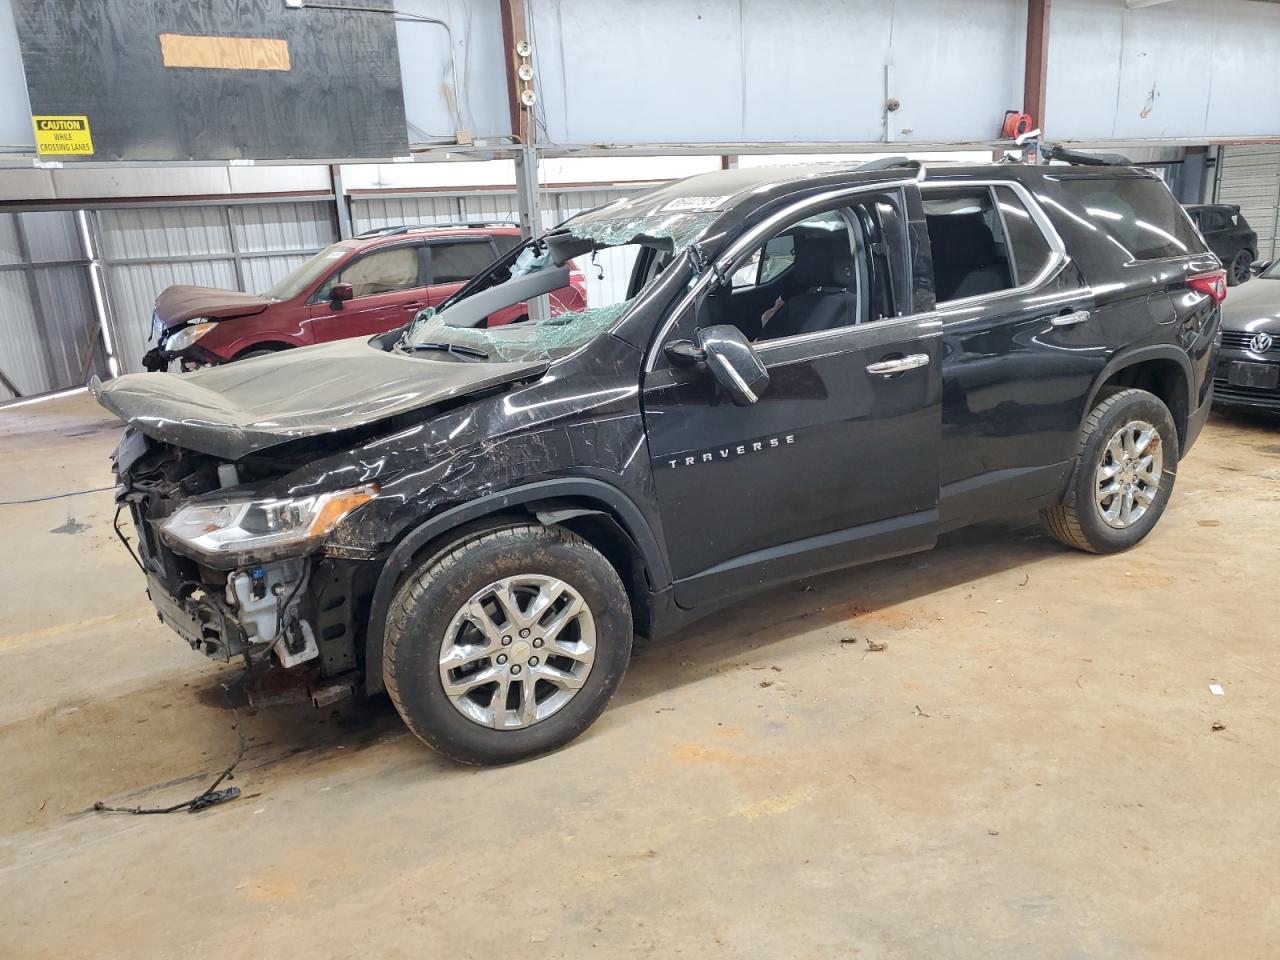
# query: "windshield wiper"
453,348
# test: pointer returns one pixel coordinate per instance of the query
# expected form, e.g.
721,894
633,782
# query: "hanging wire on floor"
211,795
54,496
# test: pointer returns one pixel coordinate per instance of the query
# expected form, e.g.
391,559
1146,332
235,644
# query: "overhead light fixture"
525,72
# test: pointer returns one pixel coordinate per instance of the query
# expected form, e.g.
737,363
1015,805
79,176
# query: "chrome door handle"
1071,319
910,362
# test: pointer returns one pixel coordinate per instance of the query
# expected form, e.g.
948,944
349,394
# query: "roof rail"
392,231
1052,151
887,163
382,232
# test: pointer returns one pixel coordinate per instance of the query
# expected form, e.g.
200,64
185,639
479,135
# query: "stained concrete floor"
1029,768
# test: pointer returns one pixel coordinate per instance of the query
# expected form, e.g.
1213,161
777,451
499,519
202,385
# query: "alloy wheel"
518,651
1128,478
1240,268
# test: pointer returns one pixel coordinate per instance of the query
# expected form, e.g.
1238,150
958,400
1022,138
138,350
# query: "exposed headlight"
188,335
231,528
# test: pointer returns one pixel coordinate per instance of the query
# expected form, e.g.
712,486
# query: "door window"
459,262
970,250
807,278
383,271
1028,249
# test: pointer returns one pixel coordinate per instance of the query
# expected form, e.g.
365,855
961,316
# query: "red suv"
359,287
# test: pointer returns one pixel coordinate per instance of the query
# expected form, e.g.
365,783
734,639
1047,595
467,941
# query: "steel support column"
341,202
1037,62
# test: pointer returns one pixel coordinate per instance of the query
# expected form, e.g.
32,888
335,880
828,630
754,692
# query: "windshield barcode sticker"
694,203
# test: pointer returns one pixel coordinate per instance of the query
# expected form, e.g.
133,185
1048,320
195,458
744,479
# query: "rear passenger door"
1021,348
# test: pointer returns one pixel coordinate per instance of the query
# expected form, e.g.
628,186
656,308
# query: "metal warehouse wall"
613,71
1249,176
1194,69
50,331
726,71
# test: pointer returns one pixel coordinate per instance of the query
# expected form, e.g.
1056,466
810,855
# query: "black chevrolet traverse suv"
804,368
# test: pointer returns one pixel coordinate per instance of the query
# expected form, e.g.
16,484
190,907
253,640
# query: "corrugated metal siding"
52,235
151,233
272,227
71,328
48,328
9,252
22,358
1250,177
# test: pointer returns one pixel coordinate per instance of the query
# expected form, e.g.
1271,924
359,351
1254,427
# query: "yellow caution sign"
62,136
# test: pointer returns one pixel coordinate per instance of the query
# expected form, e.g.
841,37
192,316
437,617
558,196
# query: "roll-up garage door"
1249,176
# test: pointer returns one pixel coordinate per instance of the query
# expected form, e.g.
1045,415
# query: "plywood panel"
340,96
223,53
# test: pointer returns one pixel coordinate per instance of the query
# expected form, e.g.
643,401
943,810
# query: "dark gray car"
1229,236
1248,372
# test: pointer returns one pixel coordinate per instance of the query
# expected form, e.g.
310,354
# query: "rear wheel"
508,645
1238,269
1124,474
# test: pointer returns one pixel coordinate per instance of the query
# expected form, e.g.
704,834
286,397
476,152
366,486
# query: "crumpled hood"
183,302
240,408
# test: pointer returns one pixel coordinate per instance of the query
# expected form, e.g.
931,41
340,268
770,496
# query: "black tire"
1238,269
432,594
259,352
1078,520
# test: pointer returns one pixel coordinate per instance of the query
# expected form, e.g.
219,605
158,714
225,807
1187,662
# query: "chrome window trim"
928,328
1038,217
751,238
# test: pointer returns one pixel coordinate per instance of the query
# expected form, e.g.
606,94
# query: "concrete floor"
1028,769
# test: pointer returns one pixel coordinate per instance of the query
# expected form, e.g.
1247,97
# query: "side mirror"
733,363
340,293
1259,265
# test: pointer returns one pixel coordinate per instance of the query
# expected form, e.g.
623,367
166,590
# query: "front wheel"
1125,468
507,645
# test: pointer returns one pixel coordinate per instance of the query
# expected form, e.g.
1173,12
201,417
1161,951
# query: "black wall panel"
341,96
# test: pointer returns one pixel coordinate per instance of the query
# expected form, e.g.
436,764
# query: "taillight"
1211,285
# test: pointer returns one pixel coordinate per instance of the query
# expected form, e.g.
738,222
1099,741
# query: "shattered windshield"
596,254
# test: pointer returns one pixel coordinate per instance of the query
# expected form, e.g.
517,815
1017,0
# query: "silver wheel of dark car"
507,642
519,650
1126,463
1127,480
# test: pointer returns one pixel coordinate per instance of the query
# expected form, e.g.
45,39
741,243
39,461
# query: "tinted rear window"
1139,215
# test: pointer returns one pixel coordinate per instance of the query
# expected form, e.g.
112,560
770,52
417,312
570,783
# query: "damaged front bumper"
262,611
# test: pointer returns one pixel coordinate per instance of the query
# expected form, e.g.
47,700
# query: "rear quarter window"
1137,214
